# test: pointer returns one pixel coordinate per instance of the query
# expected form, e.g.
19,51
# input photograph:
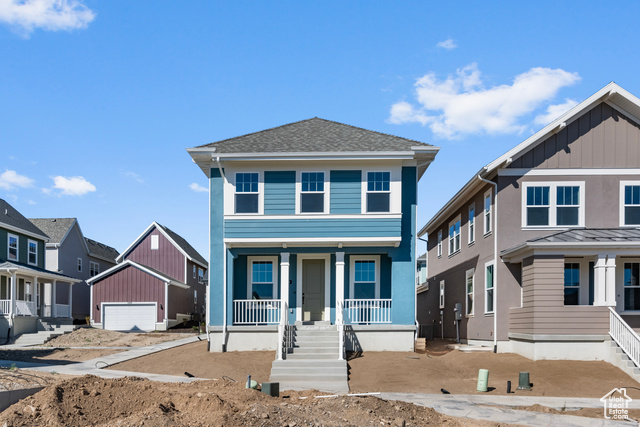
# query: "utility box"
272,389
458,311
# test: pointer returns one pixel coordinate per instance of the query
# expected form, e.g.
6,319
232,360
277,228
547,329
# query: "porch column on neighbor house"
610,273
599,280
284,287
34,294
13,310
53,299
339,286
70,299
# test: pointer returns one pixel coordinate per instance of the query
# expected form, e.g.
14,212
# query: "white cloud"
72,186
198,188
555,111
51,15
461,105
31,202
448,44
133,176
10,180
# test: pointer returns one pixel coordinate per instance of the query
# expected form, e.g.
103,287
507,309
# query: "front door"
312,289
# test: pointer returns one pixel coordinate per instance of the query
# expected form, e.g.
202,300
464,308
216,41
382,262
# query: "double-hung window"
631,286
630,203
378,191
365,277
94,268
200,274
454,236
553,204
79,264
263,272
571,283
469,285
247,192
439,243
312,192
472,223
12,247
33,252
489,284
487,212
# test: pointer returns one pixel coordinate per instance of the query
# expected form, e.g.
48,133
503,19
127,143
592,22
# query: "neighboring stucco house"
27,289
157,283
70,253
543,241
313,223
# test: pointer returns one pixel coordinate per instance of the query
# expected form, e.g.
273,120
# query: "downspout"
224,268
495,261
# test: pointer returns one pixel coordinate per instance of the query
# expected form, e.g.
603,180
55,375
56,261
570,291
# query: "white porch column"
71,300
13,310
284,287
599,280
339,286
54,299
610,273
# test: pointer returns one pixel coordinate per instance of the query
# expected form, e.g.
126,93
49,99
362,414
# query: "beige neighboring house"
70,253
541,248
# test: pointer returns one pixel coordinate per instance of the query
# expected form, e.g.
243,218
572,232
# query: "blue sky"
101,98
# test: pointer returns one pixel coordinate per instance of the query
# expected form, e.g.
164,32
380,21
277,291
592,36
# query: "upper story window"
33,252
472,223
247,192
94,268
454,236
79,264
489,284
12,247
312,192
155,242
200,274
553,204
439,243
487,212
378,191
630,203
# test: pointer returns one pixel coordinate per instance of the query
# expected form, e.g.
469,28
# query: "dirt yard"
91,400
439,368
90,337
55,356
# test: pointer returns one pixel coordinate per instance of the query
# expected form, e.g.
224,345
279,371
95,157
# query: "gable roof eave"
140,267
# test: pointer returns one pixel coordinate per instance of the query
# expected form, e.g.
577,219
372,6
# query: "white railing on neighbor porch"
5,306
26,308
624,336
367,311
63,310
255,312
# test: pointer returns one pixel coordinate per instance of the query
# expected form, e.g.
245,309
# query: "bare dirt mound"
91,400
90,337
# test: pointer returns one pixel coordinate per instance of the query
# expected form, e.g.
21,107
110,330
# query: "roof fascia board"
621,110
68,231
141,267
25,232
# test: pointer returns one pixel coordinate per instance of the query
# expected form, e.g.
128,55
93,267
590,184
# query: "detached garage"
130,296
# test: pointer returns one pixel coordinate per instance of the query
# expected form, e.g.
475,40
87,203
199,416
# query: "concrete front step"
307,356
326,349
310,363
306,376
325,386
42,337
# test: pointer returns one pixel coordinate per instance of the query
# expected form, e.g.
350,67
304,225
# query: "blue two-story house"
313,222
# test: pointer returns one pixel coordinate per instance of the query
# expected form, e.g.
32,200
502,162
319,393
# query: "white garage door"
126,317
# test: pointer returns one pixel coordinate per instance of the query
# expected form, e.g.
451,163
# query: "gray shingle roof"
10,216
101,250
56,228
591,235
185,245
314,135
33,269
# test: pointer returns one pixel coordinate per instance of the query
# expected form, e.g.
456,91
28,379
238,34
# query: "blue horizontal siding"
279,192
346,192
282,228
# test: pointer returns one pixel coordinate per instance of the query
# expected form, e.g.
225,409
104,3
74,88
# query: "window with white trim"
441,296
571,283
94,268
469,282
439,243
454,236
553,204
630,203
32,256
631,286
12,247
79,264
489,283
472,223
365,277
488,213
263,277
312,192
378,191
247,193
155,242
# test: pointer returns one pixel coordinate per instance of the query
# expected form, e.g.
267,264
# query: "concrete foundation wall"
591,348
377,339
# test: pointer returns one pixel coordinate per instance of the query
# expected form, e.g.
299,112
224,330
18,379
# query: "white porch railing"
367,311
5,306
63,310
255,312
26,308
624,336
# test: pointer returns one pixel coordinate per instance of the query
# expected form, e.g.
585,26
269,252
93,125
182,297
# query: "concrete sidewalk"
474,407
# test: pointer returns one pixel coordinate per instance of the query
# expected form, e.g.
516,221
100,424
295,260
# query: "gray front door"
312,289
